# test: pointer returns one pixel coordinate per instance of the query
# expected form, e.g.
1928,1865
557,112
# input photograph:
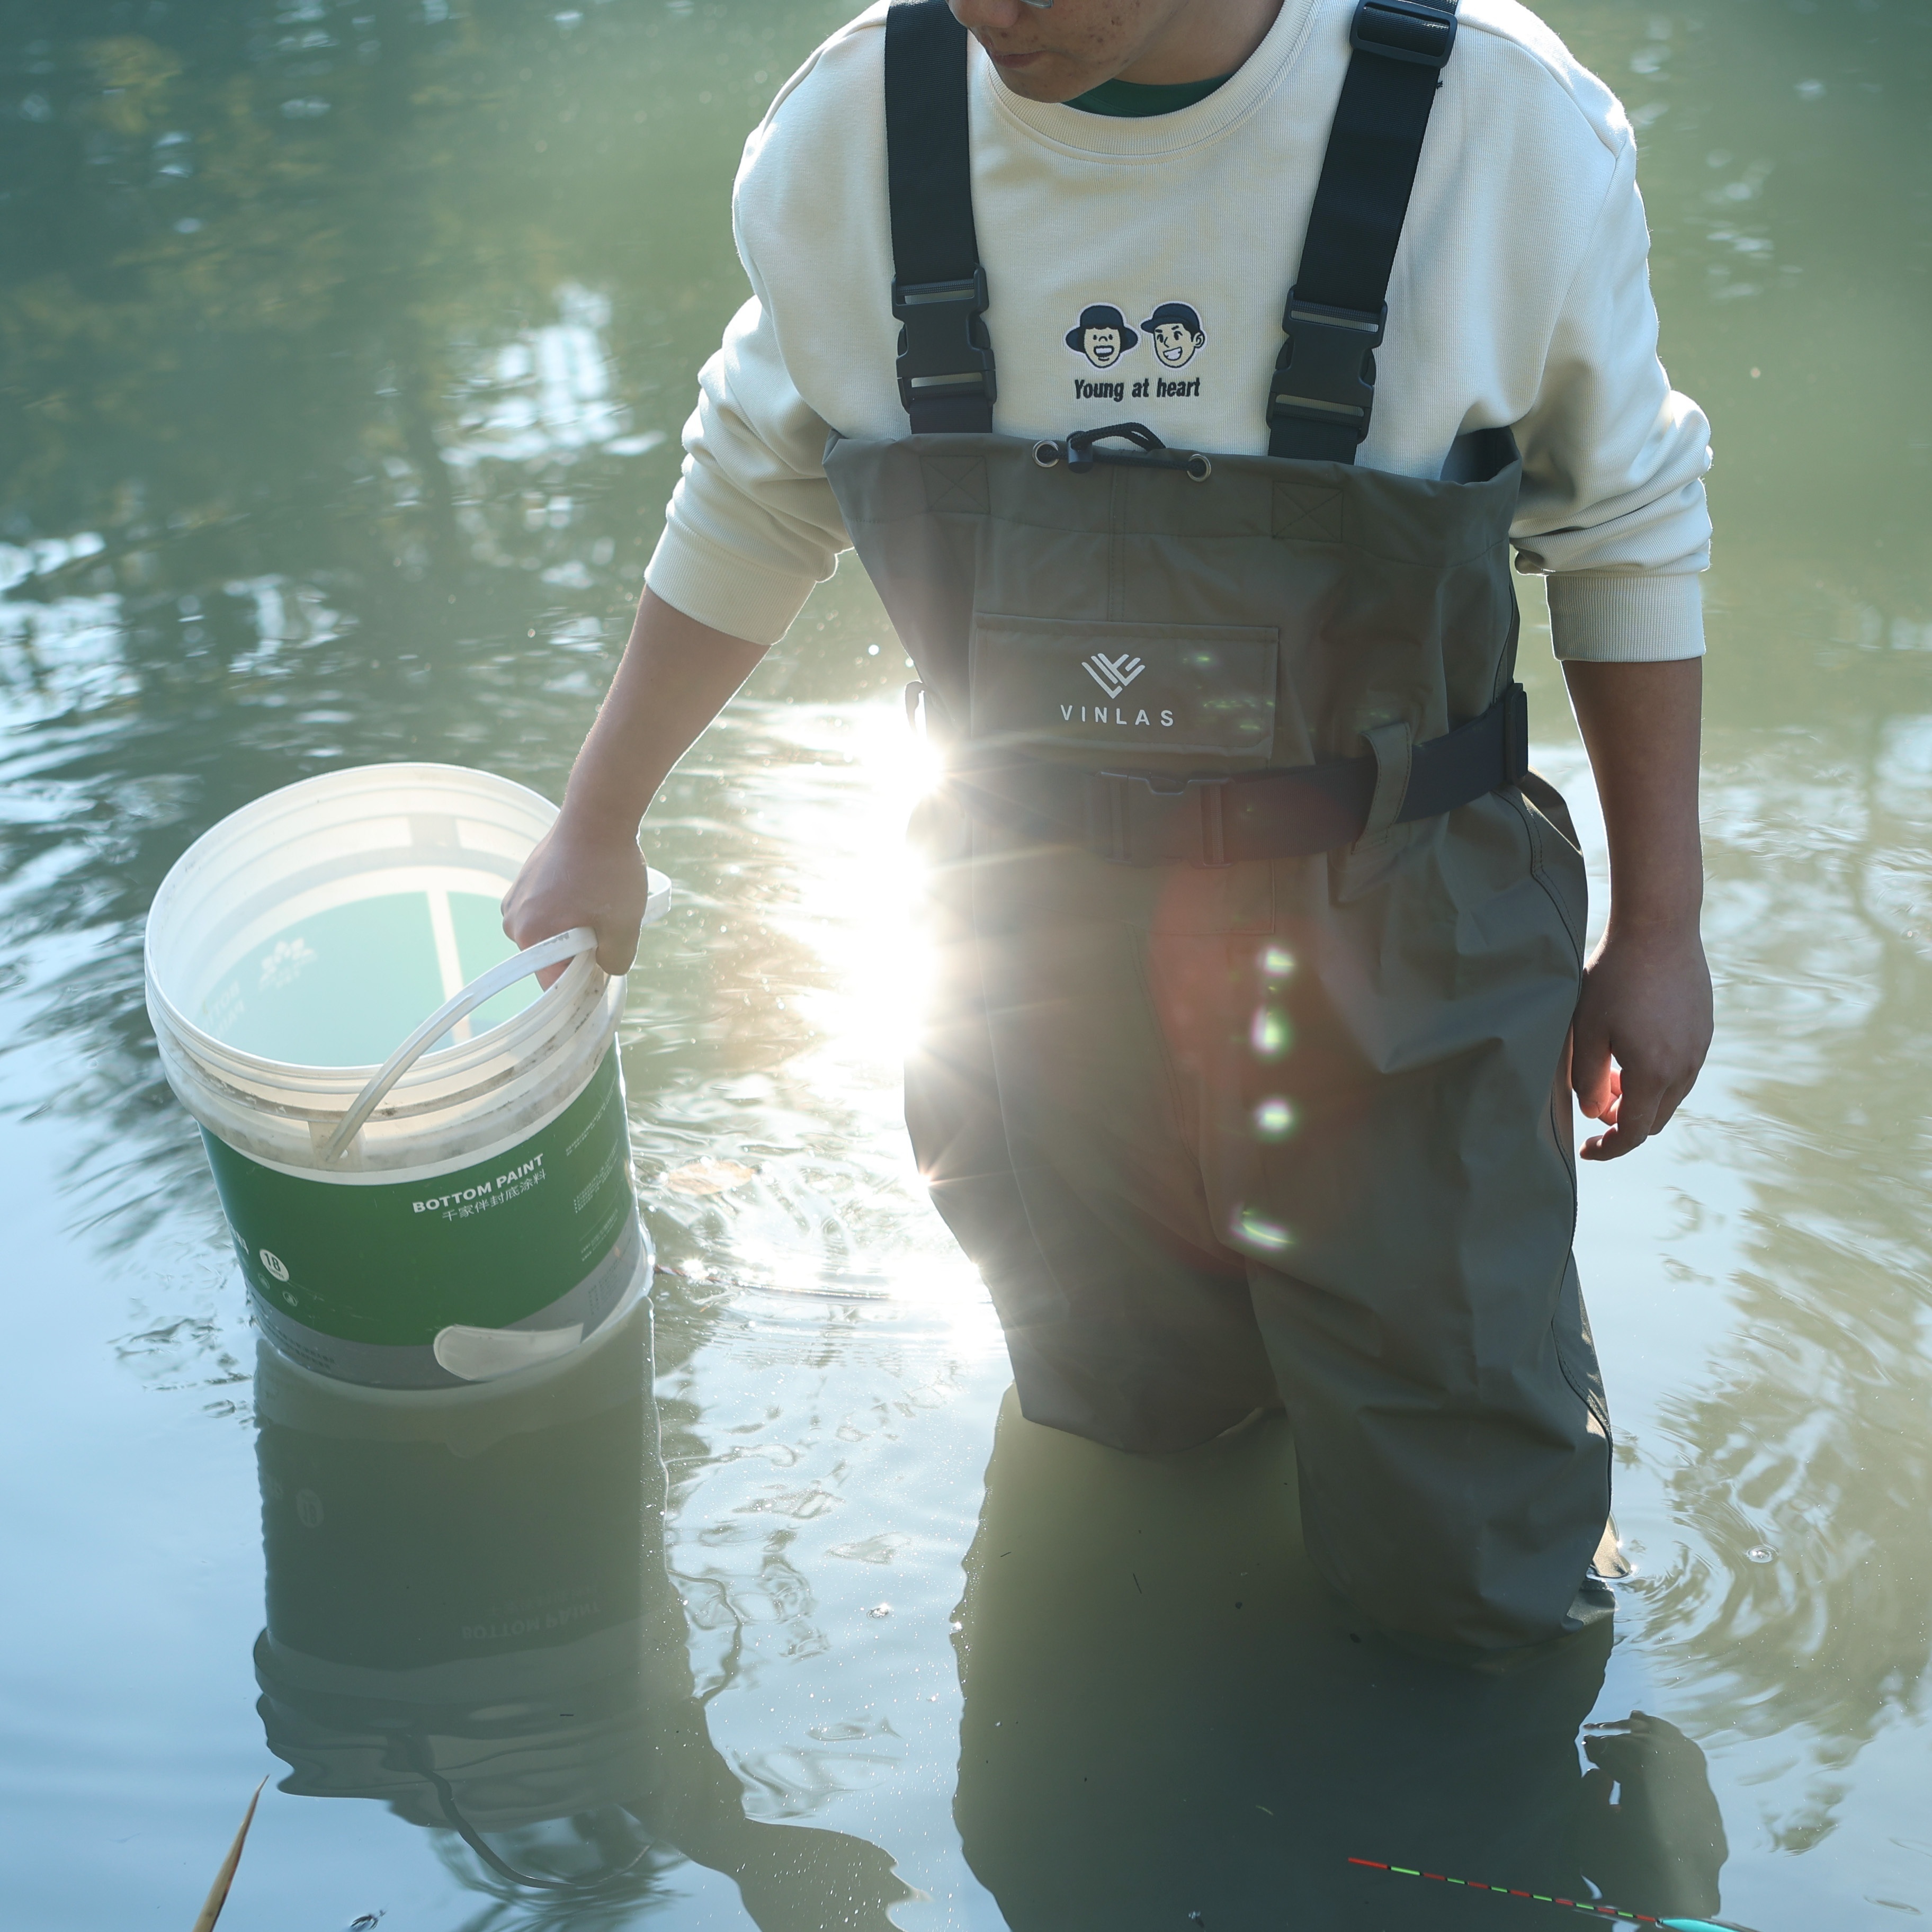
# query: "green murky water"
342,987
342,350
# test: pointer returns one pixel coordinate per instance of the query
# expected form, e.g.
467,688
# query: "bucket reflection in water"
1167,1713
469,1619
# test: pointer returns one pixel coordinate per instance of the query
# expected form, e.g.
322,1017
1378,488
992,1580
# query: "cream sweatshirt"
1520,296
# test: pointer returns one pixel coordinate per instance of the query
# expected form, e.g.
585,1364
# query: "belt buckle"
1125,827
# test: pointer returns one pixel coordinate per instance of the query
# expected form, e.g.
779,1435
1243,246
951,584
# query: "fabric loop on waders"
1270,1112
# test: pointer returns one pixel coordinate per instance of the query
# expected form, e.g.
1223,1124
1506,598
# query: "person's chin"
1042,77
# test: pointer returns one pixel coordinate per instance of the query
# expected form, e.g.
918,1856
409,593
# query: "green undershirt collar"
1135,100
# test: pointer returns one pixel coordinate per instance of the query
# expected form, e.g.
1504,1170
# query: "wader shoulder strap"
1324,385
939,288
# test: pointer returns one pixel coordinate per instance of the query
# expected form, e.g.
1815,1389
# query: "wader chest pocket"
1206,690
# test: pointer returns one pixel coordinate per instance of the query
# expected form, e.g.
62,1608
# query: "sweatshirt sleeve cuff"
732,594
1635,618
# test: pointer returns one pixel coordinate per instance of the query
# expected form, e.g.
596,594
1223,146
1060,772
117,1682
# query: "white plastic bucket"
481,1219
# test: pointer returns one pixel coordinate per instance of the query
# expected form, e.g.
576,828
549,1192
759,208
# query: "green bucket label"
392,1264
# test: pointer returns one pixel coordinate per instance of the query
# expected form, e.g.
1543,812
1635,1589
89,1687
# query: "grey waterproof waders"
1259,944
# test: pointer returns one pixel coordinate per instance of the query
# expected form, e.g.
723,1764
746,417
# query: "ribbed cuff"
732,594
1636,618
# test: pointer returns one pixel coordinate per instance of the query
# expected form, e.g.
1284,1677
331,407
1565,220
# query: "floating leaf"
217,1895
708,1176
873,1549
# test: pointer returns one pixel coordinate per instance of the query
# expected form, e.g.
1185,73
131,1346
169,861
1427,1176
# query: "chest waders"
1258,944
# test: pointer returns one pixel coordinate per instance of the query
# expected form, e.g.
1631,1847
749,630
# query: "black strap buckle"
1133,821
944,353
1404,30
1326,371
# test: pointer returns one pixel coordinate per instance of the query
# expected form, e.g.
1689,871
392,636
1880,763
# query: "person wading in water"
1264,994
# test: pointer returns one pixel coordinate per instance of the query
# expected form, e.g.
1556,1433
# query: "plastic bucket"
480,1220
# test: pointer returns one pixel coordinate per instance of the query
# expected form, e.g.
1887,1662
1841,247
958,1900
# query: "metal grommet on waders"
423,1158
1259,942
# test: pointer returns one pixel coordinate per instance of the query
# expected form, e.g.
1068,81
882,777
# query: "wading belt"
1321,397
1134,818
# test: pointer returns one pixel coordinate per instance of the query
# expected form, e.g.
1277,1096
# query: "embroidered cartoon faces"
1102,338
1102,335
1177,333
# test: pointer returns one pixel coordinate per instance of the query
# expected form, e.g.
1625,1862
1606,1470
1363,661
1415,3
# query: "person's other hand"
1642,1030
581,875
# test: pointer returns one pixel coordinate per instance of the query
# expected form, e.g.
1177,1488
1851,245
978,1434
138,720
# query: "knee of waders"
1477,1591
1586,1631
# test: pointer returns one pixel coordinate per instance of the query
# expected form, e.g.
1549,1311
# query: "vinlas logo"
1113,675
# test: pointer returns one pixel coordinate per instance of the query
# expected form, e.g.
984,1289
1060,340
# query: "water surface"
343,350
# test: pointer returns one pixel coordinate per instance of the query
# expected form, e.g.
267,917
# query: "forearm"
1641,725
676,676
1642,1024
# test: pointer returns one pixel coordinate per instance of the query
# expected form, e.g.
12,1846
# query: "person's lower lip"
1015,60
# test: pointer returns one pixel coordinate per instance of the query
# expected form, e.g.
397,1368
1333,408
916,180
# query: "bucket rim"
540,1016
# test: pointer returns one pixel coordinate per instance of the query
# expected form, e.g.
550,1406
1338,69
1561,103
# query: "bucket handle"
487,986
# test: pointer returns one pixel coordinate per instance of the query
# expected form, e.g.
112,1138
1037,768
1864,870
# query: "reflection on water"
469,1619
343,350
320,430
1802,1459
1099,1783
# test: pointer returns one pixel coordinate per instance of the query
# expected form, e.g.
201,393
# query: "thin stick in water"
218,1896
